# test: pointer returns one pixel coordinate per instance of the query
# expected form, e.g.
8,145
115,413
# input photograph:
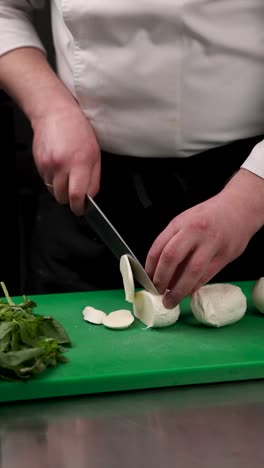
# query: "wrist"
40,93
51,97
56,106
245,194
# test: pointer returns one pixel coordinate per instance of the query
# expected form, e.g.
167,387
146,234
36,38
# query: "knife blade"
102,226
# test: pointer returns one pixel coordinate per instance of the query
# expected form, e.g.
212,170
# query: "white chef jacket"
156,77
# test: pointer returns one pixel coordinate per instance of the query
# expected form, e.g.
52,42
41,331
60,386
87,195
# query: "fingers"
47,178
170,259
94,181
158,246
178,264
191,273
60,188
81,183
73,188
77,191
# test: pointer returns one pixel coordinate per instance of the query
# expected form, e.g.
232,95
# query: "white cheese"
149,309
92,315
218,304
119,319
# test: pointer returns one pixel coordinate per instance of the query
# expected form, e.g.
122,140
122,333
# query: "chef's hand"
199,242
65,149
67,156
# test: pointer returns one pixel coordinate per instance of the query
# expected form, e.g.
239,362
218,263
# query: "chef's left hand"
199,242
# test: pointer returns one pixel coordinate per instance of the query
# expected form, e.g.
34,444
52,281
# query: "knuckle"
80,156
200,225
90,153
174,224
159,285
55,161
151,260
43,165
168,255
93,147
95,152
153,253
49,162
76,195
195,268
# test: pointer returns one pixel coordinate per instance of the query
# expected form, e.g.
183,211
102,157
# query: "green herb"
29,343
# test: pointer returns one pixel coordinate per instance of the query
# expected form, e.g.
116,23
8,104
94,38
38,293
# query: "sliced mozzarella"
119,319
128,279
218,304
92,315
148,308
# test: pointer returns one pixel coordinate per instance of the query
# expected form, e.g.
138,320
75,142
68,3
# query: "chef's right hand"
67,156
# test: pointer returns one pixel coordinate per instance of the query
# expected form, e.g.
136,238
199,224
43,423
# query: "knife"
112,239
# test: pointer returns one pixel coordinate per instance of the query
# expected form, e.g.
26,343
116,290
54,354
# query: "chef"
156,109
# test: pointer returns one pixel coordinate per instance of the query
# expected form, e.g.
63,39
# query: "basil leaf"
29,343
53,329
16,358
6,331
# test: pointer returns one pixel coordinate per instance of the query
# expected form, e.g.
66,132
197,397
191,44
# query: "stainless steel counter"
213,426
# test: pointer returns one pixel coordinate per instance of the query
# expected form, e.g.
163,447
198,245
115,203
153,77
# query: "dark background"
19,180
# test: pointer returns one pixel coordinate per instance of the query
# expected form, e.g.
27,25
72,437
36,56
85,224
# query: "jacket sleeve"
255,161
16,25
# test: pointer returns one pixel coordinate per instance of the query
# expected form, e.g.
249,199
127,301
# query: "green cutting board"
104,360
